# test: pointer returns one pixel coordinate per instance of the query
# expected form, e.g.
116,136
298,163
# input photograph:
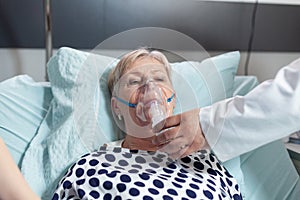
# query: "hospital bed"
41,125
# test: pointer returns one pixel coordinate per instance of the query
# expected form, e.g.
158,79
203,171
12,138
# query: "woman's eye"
160,79
134,82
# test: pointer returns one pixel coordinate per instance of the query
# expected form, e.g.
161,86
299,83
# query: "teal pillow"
199,84
24,104
269,173
242,85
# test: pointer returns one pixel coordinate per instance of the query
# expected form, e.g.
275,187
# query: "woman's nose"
151,91
150,87
150,84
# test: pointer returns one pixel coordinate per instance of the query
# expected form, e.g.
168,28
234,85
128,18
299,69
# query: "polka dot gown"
118,173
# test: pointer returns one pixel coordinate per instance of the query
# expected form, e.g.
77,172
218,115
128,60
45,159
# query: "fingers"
167,123
180,135
189,150
178,149
175,149
166,130
166,135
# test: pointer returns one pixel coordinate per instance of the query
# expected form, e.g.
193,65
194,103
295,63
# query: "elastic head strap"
133,105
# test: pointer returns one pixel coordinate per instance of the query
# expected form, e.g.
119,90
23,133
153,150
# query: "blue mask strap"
133,105
171,98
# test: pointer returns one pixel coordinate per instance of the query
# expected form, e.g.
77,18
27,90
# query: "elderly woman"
137,167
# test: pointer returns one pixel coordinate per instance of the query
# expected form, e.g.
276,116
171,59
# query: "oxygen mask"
151,102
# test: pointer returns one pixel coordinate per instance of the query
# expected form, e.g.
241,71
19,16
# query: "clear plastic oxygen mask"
157,113
152,104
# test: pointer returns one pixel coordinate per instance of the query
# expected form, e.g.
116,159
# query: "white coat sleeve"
269,112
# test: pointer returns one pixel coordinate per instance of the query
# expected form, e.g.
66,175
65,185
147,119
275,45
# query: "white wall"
265,65
13,62
22,61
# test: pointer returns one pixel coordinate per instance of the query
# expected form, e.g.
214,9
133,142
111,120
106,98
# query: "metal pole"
48,32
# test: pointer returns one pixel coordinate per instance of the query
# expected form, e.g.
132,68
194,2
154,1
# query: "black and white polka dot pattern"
117,173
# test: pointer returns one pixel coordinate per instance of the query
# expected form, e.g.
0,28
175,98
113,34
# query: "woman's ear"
114,106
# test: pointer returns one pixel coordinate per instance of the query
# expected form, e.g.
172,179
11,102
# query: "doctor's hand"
180,135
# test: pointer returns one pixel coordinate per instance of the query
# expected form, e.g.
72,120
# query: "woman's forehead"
146,69
145,60
146,65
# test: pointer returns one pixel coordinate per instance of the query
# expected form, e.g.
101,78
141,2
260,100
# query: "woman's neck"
134,143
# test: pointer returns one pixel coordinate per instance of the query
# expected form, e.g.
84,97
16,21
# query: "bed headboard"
217,25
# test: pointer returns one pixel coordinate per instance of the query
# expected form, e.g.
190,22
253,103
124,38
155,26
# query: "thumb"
167,123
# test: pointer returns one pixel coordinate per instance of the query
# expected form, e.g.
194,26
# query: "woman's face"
145,82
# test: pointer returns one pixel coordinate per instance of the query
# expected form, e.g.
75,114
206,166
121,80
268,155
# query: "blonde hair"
128,59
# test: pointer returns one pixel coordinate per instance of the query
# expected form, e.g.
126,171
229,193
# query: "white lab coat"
269,112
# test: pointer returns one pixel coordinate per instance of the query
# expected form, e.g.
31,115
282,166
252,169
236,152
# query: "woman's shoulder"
98,154
111,153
